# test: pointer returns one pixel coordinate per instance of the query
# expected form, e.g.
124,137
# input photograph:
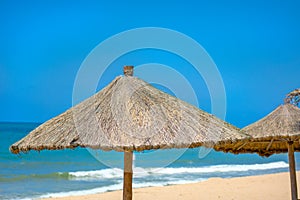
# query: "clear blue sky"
255,45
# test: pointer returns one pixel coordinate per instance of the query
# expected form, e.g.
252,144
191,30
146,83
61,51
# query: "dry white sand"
264,187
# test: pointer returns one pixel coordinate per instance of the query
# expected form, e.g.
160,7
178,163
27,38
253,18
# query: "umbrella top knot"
128,70
293,97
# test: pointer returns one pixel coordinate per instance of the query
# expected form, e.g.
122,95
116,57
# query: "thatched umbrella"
278,132
130,115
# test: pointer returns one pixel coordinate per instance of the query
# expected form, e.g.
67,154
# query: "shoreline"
270,186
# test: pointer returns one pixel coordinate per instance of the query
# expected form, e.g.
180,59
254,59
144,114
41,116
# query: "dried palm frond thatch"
278,132
130,115
271,133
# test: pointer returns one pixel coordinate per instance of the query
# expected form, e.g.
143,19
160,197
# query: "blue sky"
255,45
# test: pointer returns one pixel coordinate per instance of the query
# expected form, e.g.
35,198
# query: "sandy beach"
272,186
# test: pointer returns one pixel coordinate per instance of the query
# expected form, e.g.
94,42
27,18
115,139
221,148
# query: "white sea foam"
104,173
223,168
143,172
168,180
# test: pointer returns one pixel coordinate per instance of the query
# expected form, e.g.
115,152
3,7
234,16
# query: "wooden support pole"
127,181
292,170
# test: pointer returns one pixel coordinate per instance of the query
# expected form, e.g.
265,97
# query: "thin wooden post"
292,170
127,182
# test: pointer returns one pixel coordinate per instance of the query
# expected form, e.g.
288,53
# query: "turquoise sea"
80,171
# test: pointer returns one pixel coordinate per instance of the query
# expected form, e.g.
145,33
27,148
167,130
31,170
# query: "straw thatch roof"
129,115
272,133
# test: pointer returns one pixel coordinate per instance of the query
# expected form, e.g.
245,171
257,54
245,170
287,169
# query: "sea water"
81,171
